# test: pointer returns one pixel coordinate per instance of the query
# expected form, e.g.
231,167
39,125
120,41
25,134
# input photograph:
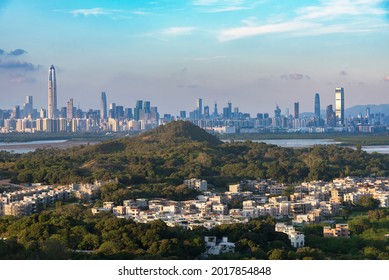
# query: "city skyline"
257,54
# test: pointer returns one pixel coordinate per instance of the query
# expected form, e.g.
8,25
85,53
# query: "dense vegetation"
71,231
181,150
61,234
367,241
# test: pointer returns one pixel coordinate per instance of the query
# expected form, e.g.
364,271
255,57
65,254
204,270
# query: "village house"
340,231
296,238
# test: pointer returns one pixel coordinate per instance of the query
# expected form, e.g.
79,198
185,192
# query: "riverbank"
32,146
346,139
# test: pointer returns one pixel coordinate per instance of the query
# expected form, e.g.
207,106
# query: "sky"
256,54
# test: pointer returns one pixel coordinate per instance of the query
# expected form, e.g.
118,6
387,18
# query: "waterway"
307,143
26,147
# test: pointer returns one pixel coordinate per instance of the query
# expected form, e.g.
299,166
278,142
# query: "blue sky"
254,53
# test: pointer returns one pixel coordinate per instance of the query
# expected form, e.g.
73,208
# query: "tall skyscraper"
200,107
215,112
296,110
28,106
277,112
339,106
112,110
52,94
330,116
206,111
317,105
70,110
138,110
103,106
147,107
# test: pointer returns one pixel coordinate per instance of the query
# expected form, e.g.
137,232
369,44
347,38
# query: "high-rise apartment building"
103,106
147,107
138,110
317,106
70,110
215,112
112,110
52,94
339,106
28,106
296,110
200,107
330,116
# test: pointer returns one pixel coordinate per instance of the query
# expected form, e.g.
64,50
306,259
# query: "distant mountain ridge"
355,110
374,109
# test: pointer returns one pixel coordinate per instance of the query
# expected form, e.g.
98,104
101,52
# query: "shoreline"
31,147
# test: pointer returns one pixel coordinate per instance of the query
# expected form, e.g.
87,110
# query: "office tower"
182,115
215,112
52,94
119,113
296,110
29,99
63,113
225,113
70,110
128,113
330,116
317,106
229,109
200,107
277,112
137,110
339,106
103,106
42,113
286,112
79,114
368,115
206,111
112,110
16,112
139,104
146,106
28,109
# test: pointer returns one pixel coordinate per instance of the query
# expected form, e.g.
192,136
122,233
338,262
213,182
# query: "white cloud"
249,31
89,12
140,13
177,31
216,2
334,8
222,6
228,9
311,21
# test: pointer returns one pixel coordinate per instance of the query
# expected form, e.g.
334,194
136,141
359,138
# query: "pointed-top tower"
52,94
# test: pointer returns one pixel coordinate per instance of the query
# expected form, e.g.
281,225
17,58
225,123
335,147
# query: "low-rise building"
340,231
297,239
215,247
198,184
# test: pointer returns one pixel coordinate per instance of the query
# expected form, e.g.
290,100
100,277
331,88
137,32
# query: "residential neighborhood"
307,203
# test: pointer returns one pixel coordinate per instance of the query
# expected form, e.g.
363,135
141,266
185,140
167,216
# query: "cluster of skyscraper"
143,116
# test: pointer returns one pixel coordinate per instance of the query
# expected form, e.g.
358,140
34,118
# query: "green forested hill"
181,150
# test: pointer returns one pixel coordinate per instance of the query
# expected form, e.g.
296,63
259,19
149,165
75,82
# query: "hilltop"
180,150
178,132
